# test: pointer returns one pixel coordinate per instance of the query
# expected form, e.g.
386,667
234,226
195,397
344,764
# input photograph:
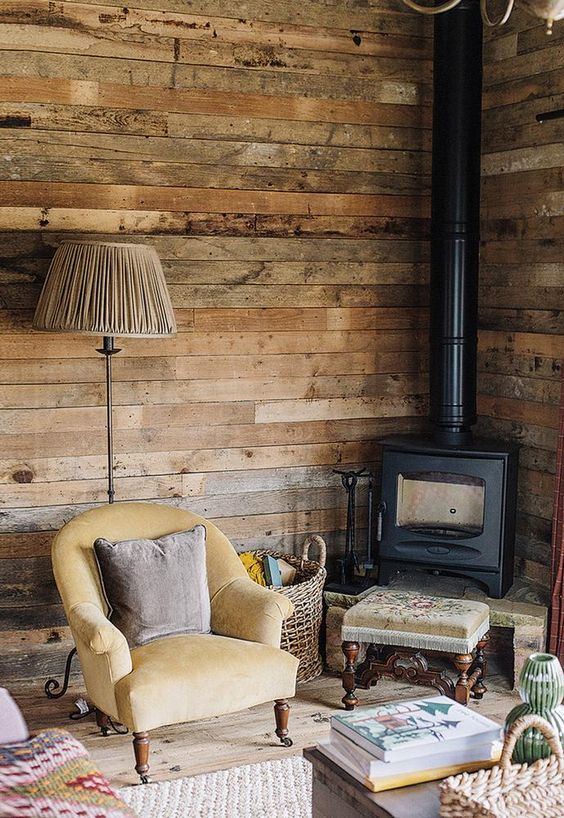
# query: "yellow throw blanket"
253,566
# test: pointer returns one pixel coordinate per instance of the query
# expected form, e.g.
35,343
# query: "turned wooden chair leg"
350,649
282,714
481,663
103,722
141,750
463,663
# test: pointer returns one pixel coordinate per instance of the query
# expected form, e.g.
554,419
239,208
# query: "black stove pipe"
455,222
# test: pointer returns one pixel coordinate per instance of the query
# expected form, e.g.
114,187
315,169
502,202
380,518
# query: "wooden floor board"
228,741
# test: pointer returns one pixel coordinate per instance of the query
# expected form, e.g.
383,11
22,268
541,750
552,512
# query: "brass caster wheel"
287,741
105,732
145,779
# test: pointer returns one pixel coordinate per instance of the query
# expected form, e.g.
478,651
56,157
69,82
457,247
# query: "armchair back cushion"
156,588
74,561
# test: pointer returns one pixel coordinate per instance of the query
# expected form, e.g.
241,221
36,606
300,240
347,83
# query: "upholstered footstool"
400,627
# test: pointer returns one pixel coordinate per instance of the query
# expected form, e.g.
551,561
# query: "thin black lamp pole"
108,350
53,690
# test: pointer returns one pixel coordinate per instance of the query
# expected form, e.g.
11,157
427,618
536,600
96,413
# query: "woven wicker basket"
510,790
300,633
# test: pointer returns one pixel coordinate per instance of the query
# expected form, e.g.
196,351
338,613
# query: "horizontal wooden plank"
24,448
78,492
92,58
522,343
230,343
549,321
37,152
174,174
500,137
57,469
527,434
217,224
519,410
20,546
236,528
27,582
289,411
43,126
14,421
36,662
161,393
521,388
143,197
145,96
27,618
523,366
552,298
522,159
306,55
375,15
532,227
250,248
212,29
333,318
210,367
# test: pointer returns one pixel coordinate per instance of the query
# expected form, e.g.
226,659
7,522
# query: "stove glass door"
441,504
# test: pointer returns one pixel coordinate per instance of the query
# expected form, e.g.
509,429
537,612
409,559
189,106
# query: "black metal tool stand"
348,582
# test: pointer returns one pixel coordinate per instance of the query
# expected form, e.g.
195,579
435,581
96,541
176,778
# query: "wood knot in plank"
22,476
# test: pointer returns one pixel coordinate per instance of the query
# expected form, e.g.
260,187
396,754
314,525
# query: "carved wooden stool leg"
350,649
463,663
141,750
103,722
481,663
282,714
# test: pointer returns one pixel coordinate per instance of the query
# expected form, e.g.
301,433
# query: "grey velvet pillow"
156,588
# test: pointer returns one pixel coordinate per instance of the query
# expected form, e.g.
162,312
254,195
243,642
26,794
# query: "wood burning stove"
450,501
449,510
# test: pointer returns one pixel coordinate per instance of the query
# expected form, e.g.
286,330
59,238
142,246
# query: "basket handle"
519,726
320,543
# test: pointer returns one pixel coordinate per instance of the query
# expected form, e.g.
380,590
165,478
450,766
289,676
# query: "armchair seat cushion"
194,676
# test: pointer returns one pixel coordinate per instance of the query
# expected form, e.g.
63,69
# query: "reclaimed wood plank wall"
277,156
522,273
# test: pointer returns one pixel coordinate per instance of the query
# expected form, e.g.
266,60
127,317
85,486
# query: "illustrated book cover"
400,730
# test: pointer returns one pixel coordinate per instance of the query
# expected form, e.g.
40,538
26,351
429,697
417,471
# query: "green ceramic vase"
541,686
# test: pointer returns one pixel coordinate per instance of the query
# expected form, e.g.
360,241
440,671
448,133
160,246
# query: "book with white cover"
378,776
402,730
375,768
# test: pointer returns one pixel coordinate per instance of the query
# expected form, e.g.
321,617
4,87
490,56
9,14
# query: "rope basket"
300,633
510,790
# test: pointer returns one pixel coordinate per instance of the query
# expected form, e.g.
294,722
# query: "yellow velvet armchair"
178,678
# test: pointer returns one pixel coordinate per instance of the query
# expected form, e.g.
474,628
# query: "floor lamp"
107,289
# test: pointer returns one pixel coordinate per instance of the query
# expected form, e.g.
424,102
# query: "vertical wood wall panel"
280,165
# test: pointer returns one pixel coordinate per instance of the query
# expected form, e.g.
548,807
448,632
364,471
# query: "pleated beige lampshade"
101,288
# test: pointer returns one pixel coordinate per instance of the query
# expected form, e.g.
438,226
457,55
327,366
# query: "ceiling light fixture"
549,10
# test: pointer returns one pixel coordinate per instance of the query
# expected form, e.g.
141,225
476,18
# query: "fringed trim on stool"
419,641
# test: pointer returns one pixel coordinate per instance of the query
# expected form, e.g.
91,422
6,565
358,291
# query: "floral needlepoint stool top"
417,621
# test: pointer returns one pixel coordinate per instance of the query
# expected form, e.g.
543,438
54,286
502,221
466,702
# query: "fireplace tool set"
348,567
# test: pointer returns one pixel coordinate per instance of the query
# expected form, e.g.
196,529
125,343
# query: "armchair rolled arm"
245,610
94,631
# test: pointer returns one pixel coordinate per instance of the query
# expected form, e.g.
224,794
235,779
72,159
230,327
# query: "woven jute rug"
271,788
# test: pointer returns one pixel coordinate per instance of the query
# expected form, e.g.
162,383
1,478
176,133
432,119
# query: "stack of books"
404,743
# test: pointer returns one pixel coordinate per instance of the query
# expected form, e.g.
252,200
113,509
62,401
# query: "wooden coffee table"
336,794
